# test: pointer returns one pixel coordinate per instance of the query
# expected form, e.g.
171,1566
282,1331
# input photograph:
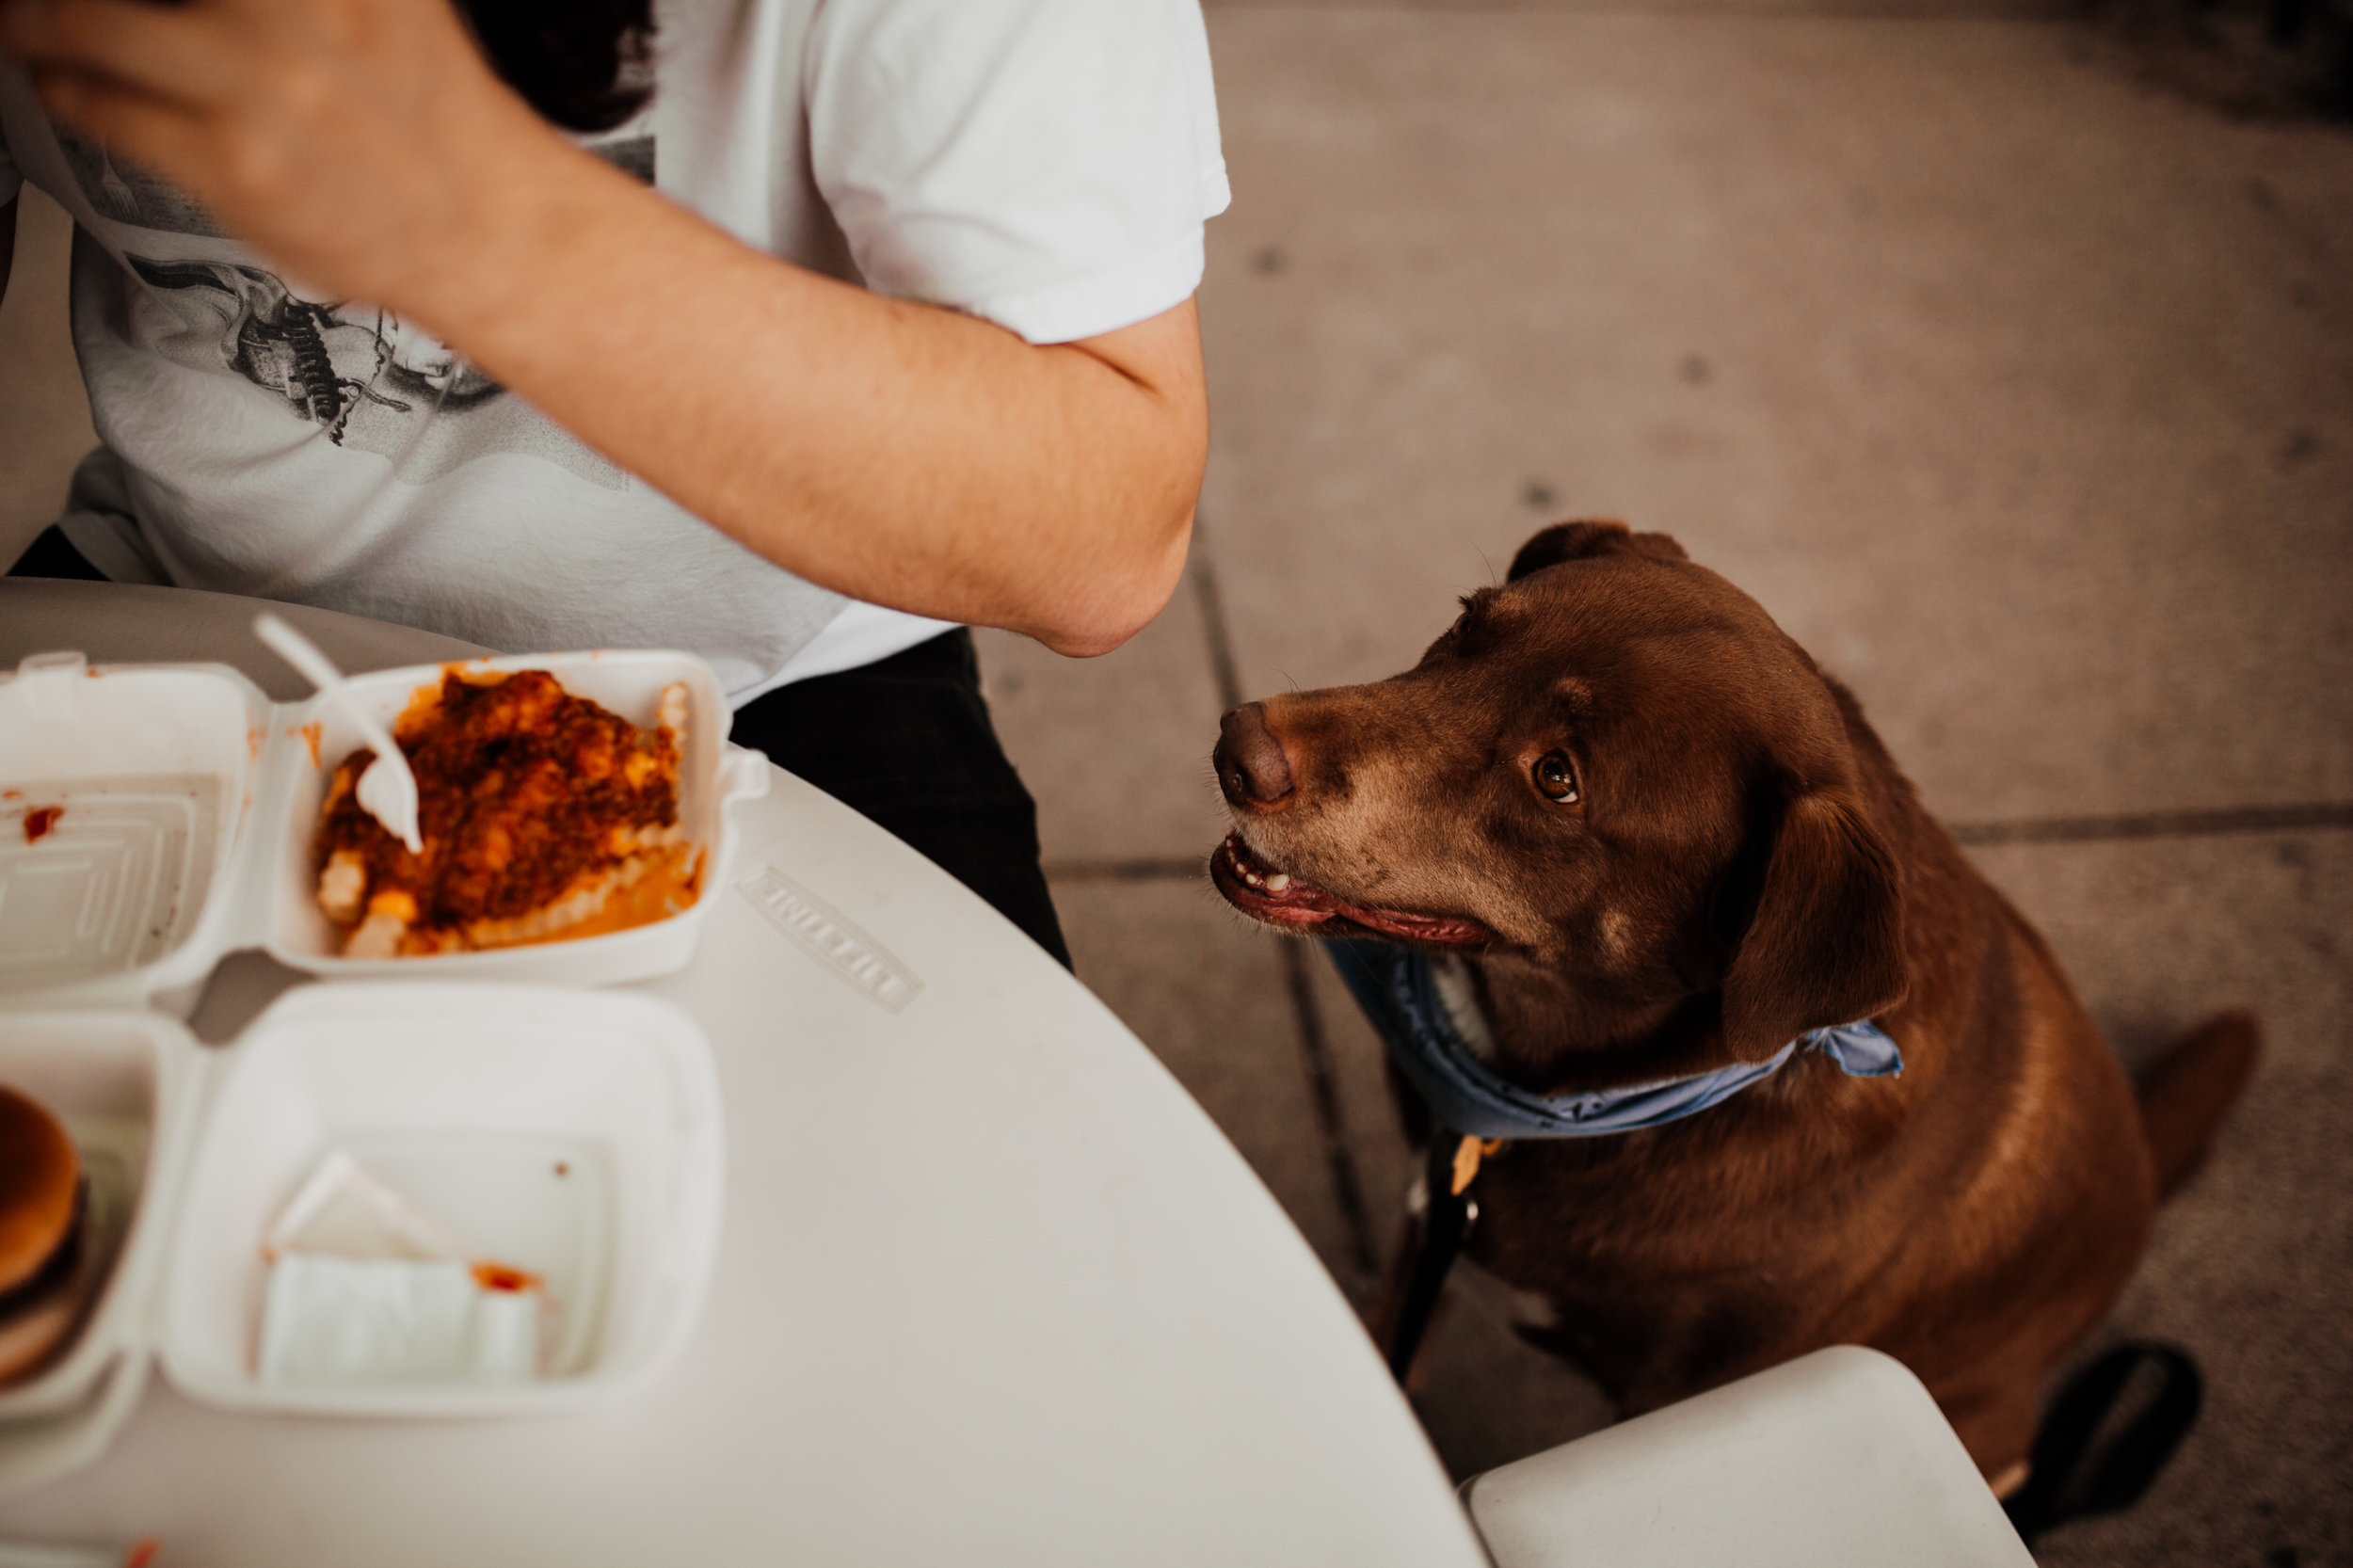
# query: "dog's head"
1614,768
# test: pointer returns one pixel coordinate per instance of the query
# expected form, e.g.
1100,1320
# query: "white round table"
992,1288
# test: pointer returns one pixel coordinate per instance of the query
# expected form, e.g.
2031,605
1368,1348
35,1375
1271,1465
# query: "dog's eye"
1556,777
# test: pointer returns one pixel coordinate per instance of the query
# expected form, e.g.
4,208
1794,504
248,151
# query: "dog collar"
1395,987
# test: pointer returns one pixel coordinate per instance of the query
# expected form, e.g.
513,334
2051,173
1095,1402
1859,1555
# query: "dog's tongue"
1421,928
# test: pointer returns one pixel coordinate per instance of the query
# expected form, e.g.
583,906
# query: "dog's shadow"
2138,1036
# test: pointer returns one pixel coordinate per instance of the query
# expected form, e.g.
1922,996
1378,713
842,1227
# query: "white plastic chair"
1835,1459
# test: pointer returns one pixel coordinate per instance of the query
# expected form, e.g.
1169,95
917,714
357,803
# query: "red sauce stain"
499,1276
40,821
311,735
11,795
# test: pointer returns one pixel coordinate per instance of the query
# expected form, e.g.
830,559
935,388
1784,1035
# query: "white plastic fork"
387,790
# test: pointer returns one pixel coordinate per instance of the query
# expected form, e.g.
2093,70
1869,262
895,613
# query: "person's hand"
904,454
361,144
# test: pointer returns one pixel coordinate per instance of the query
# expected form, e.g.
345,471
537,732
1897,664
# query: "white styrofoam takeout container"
467,1096
191,806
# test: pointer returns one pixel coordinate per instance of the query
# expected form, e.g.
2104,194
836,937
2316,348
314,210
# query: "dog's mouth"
1278,898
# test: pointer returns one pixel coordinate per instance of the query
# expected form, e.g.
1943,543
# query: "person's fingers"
152,132
165,52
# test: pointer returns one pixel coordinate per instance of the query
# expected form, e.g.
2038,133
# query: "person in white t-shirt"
800,333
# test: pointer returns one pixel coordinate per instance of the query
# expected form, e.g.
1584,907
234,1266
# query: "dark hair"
585,65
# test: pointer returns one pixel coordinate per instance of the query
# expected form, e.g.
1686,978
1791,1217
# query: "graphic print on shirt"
363,374
326,359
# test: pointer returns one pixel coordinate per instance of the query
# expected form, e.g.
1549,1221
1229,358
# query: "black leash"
1448,1212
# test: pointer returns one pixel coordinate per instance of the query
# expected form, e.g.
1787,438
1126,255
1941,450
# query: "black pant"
906,742
51,554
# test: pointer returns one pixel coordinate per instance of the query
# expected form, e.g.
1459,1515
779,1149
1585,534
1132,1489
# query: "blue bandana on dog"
1398,992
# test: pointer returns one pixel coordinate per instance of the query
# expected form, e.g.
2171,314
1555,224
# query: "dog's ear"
1825,937
1575,542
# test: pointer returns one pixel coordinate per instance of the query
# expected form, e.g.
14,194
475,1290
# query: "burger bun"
40,1216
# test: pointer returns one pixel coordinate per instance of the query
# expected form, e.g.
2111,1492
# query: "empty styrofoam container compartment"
575,1135
127,796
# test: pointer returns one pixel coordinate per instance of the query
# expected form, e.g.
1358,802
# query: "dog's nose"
1251,767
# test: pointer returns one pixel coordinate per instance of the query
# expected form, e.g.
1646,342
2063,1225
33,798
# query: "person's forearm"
901,453
893,451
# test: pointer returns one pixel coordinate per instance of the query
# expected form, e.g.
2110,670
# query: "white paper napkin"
331,1320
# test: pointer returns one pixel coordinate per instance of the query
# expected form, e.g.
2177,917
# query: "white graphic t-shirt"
1047,165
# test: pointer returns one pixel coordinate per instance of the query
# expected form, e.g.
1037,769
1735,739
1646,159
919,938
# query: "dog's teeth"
1278,883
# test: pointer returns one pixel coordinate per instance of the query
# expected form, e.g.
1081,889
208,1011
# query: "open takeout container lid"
190,804
577,1134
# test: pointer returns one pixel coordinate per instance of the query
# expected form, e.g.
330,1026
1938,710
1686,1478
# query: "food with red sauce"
544,816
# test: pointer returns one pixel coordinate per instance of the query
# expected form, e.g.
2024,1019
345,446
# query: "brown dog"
1653,838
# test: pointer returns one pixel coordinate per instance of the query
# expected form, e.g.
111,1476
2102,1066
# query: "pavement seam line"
2155,824
1323,1095
1212,603
2024,830
1323,1092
